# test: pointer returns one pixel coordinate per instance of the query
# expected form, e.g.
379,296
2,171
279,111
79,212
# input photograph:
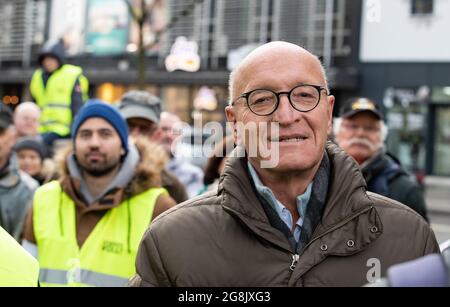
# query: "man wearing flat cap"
142,111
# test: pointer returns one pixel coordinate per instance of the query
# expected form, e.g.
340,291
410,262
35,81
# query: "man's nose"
285,114
94,140
360,130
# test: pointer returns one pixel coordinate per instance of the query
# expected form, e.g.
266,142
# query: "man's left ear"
231,118
229,113
331,100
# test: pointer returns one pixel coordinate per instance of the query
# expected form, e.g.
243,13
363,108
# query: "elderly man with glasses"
360,131
305,220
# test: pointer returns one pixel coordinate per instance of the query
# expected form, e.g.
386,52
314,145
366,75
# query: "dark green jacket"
225,238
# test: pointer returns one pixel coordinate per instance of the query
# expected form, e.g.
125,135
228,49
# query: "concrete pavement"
437,194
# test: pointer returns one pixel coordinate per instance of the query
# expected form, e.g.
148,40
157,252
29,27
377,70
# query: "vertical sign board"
107,27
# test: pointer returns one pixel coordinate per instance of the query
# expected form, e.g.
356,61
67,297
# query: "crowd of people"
97,195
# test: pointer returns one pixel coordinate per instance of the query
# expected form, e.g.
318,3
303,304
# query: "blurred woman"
31,158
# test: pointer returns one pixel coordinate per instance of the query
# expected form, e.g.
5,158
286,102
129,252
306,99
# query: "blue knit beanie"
98,108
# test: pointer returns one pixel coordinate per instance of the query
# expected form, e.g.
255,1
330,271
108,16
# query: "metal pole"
264,22
328,35
29,8
251,20
205,18
276,20
311,34
218,33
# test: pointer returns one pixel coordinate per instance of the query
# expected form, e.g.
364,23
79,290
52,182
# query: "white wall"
390,33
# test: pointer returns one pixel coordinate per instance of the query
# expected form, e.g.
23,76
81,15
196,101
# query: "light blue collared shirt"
282,211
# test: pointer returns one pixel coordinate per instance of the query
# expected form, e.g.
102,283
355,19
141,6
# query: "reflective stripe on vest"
58,105
84,83
62,278
17,267
55,98
110,249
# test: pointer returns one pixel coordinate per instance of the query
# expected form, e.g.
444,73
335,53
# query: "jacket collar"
240,199
9,174
123,177
145,174
374,166
346,202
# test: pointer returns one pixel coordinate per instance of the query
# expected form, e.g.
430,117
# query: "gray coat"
16,192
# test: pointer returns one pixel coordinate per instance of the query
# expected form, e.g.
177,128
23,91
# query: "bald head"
171,127
26,119
269,54
169,117
27,107
287,89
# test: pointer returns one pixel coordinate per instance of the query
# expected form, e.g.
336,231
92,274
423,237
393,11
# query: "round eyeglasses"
303,98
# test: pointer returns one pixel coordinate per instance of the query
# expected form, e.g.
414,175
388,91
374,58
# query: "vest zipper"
295,258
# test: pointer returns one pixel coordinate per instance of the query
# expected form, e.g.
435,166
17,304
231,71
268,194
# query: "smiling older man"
305,221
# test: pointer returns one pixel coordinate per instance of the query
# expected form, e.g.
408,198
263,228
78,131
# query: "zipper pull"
294,261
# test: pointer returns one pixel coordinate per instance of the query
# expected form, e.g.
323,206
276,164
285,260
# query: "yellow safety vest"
17,267
107,257
55,98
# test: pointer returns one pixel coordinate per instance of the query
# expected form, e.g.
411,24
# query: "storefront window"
441,165
180,99
177,99
113,92
213,110
421,7
109,92
441,137
406,116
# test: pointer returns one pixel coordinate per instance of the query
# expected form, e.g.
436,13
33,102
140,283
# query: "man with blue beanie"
86,227
99,109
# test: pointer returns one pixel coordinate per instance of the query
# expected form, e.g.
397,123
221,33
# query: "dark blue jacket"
386,177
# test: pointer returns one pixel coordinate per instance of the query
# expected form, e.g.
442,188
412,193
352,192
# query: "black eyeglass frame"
278,94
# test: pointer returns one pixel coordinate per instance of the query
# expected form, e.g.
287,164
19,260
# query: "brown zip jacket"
224,238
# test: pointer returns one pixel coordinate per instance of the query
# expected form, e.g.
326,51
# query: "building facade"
405,63
102,38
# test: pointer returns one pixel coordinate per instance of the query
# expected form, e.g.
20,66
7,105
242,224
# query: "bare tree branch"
140,18
144,13
131,10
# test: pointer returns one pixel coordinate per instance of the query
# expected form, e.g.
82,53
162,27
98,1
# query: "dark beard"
100,172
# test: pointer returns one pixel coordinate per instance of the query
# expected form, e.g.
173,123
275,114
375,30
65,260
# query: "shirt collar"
267,194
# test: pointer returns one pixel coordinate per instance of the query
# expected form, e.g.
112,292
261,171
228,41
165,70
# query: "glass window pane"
422,6
442,142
